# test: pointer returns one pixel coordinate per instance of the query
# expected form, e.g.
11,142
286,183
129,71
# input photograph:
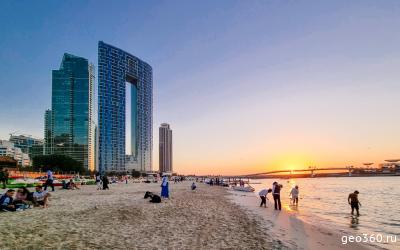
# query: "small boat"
243,189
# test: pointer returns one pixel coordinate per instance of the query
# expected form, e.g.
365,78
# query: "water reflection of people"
354,222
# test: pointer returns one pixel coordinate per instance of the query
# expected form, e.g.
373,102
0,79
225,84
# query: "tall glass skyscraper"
72,114
117,71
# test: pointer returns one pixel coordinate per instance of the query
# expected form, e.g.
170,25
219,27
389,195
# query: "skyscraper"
119,70
165,148
72,118
48,137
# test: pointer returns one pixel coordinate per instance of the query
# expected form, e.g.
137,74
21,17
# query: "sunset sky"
247,86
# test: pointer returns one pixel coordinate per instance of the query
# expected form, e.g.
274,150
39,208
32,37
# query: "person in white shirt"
263,196
40,197
294,193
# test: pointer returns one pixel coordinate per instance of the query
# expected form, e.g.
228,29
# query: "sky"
247,86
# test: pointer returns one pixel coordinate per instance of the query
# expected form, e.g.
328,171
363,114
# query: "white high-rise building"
165,148
7,148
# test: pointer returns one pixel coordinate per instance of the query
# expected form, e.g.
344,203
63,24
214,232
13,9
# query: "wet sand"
293,232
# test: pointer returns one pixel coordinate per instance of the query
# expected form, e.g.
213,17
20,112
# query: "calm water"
323,201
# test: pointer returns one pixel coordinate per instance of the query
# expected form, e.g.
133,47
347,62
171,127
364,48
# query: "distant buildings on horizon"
21,148
165,148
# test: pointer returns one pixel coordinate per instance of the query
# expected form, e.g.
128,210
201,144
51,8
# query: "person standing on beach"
354,202
4,178
49,181
98,181
105,182
276,193
294,193
164,187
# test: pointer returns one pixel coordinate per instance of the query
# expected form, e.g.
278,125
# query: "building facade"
28,145
8,148
165,148
48,137
70,125
119,70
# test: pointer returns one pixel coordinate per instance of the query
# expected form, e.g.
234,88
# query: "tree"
135,173
57,163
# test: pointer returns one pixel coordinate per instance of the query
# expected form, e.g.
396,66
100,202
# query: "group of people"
276,194
22,199
102,182
294,196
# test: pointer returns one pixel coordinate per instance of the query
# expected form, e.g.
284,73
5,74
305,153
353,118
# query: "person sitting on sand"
23,197
193,186
72,185
6,201
263,196
294,194
40,197
153,197
354,202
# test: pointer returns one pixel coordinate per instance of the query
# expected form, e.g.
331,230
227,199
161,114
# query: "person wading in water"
354,202
276,193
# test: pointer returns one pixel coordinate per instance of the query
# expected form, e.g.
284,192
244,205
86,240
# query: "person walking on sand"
49,181
105,182
276,193
294,194
354,202
164,187
98,181
263,196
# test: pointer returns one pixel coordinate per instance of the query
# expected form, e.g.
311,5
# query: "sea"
323,202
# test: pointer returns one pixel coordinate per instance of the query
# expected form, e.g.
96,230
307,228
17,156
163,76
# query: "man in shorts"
354,202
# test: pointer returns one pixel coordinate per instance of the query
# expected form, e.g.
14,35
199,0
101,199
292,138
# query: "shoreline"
294,232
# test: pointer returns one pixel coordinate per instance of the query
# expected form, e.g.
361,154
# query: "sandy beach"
119,218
